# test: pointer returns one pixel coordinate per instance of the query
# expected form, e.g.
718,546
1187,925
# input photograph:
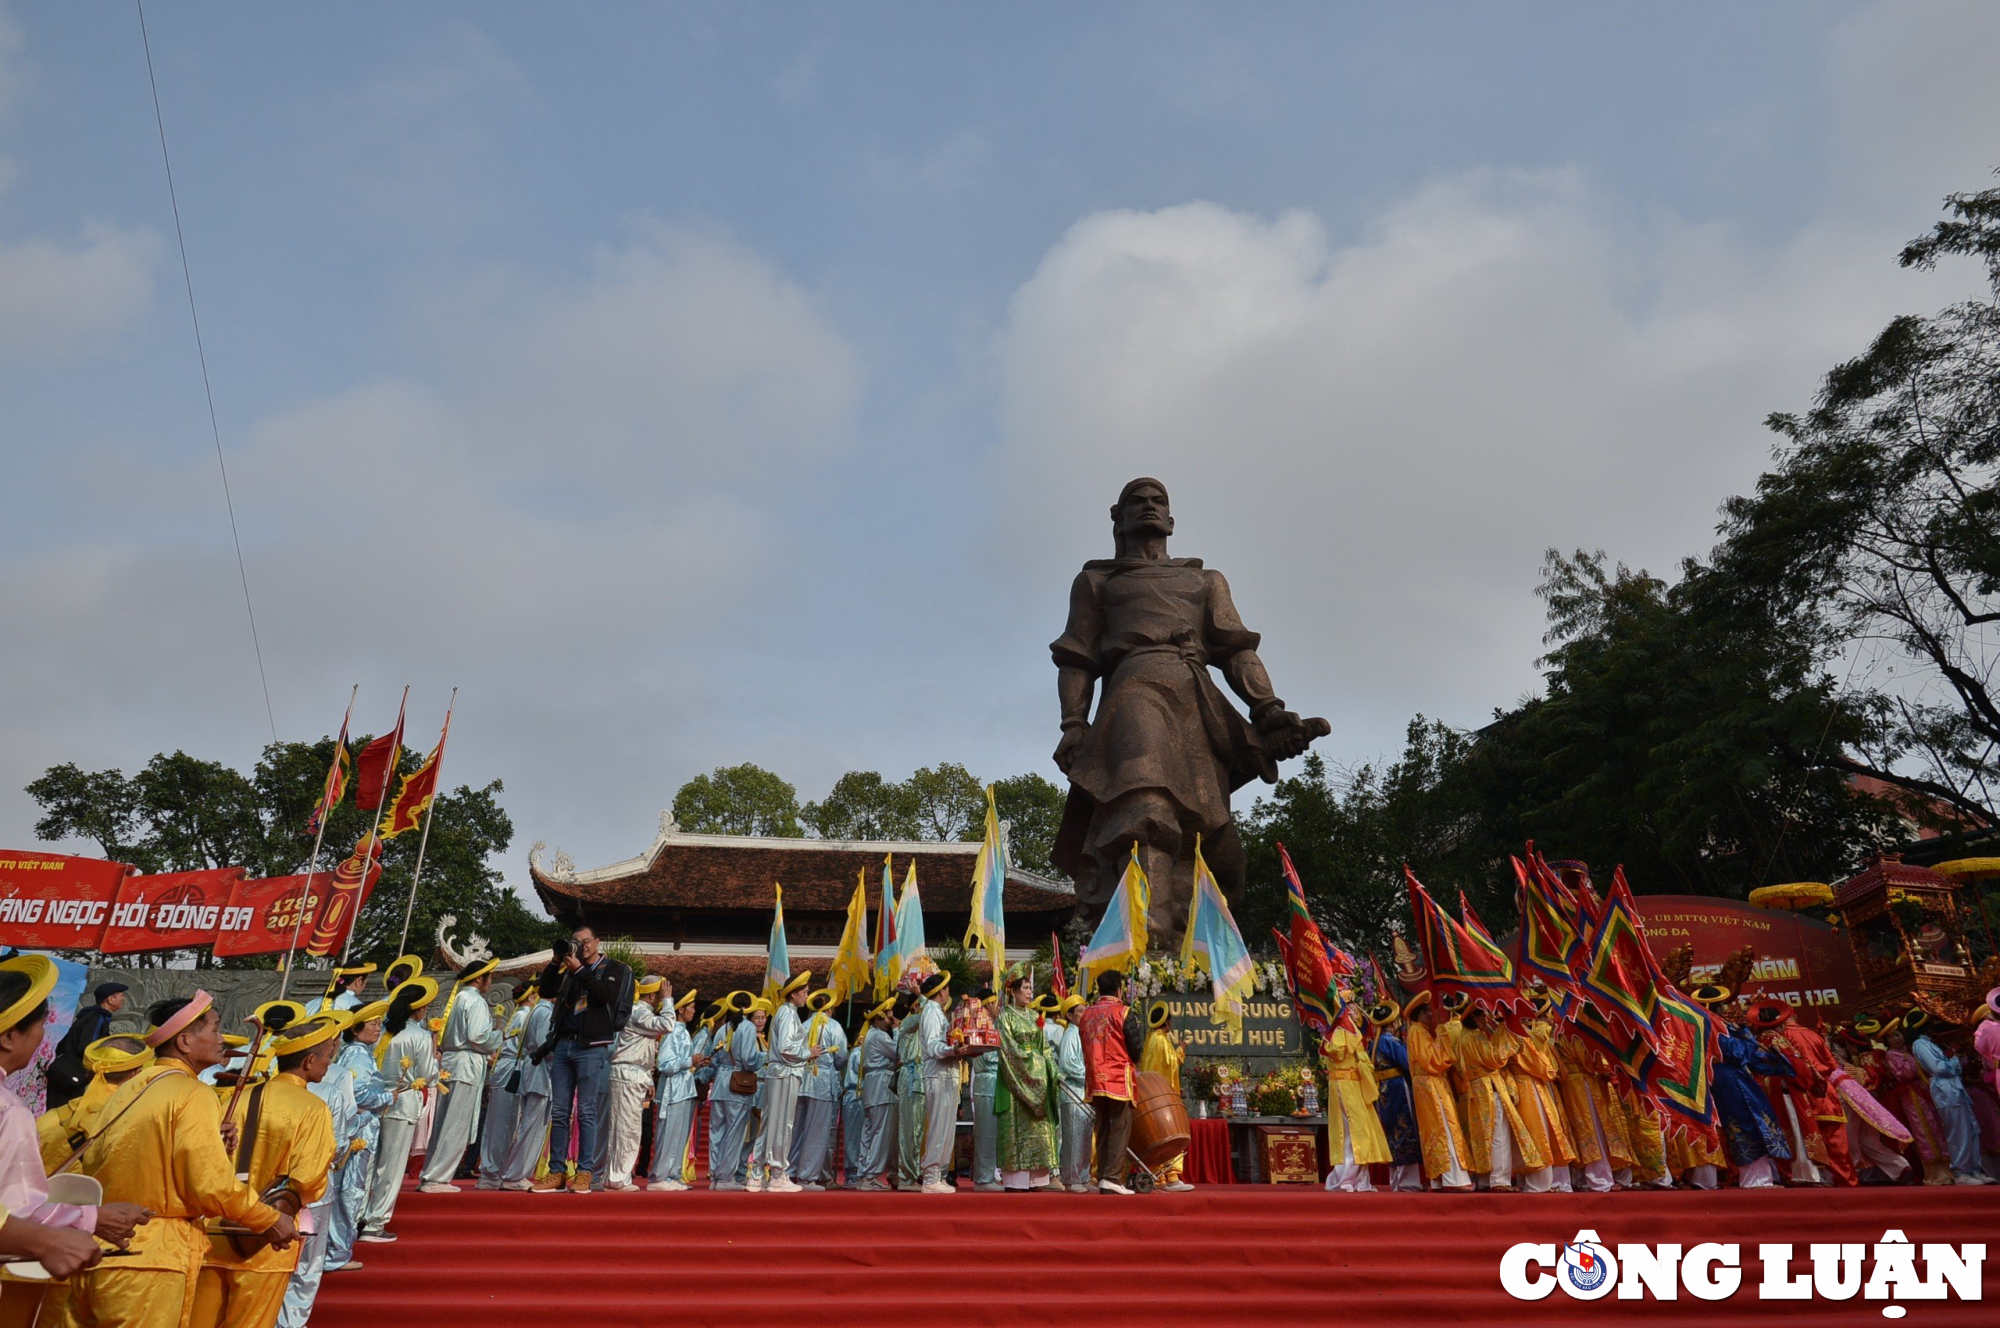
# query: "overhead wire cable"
201,354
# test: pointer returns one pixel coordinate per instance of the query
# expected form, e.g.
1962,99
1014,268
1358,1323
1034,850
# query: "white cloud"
58,298
1377,438
556,514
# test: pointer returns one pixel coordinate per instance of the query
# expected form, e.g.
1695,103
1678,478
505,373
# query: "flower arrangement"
1202,1078
1273,1097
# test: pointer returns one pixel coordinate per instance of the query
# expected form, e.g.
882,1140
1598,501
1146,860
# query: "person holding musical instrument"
162,1145
56,1234
284,1150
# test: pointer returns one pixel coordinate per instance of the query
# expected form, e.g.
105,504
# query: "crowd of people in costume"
236,1171
1449,1097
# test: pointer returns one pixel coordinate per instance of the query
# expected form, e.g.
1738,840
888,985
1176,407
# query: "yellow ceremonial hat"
1070,1002
759,1005
474,971
937,983
353,971
288,1012
1382,1013
1417,1002
418,992
739,1001
312,1031
371,1011
797,982
1157,1016
40,971
882,1009
649,984
100,1057
236,1040
687,999
820,999
402,970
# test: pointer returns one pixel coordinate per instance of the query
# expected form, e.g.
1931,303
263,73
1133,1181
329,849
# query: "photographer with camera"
593,1002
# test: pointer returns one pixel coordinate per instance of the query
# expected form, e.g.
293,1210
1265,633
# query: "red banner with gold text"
267,912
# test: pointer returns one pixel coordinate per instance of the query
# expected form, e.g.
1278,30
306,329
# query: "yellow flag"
852,969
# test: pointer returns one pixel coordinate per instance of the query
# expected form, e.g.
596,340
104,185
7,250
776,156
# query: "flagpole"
430,814
375,835
326,814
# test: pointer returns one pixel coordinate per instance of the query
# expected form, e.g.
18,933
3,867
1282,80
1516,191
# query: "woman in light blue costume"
530,1138
1954,1108
503,1092
812,1160
879,1066
1073,1110
355,1169
728,1110
912,1106
853,1115
408,1064
673,1098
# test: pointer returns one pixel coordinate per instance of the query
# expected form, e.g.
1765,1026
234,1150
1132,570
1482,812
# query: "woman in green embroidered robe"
1024,1100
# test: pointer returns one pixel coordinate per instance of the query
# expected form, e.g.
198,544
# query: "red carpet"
1246,1254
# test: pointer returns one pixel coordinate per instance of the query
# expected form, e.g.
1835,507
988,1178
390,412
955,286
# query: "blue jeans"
576,1072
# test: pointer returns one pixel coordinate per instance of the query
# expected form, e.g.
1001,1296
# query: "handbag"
743,1083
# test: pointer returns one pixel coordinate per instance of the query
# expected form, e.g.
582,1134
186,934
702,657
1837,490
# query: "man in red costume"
1807,1105
1113,1038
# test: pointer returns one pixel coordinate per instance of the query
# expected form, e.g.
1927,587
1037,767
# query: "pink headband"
197,1006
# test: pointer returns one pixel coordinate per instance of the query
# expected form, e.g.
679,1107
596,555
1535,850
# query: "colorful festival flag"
987,929
378,763
1618,968
852,970
406,810
888,956
1310,969
336,777
1550,944
1058,983
1455,959
1485,952
1120,941
1214,945
777,955
910,942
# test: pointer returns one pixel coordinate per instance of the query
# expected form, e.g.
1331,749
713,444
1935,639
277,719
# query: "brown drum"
1159,1120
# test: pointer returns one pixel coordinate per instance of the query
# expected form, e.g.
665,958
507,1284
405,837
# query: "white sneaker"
667,1185
621,1187
939,1187
1179,1187
436,1187
754,1185
1111,1187
782,1185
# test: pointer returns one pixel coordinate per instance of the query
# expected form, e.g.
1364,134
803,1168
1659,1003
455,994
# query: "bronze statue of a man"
1157,762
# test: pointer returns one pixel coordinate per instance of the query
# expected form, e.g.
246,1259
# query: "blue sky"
698,383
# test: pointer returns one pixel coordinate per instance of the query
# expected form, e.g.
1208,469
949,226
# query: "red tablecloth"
1208,1153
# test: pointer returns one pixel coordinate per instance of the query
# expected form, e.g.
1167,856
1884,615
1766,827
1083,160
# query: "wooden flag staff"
430,814
312,865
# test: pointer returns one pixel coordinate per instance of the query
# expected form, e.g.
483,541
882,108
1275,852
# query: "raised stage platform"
1222,1256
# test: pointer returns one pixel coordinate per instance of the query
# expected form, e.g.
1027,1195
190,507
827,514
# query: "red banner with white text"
52,902
268,912
173,911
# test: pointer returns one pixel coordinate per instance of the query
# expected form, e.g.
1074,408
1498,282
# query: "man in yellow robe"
287,1137
1354,1138
1498,1136
1536,1076
1438,1125
1163,1055
1597,1120
160,1145
1649,1142
111,1061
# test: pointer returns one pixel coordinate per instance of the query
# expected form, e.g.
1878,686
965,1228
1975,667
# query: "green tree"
1033,810
950,803
864,806
739,800
1881,518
